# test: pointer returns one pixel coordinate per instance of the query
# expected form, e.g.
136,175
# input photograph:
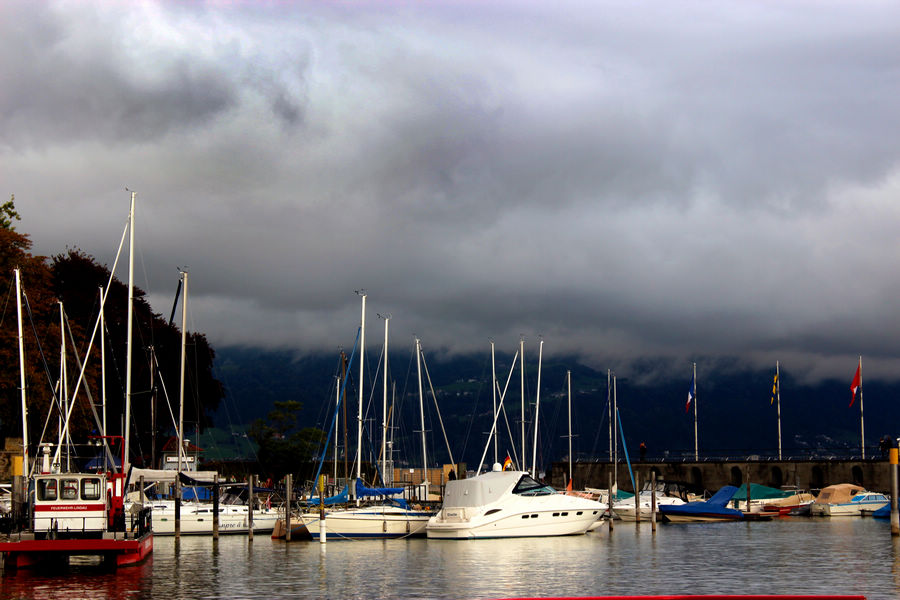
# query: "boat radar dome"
497,467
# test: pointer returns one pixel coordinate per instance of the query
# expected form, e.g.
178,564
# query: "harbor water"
787,556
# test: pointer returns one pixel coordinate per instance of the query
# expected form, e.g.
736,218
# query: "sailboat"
77,513
391,518
195,518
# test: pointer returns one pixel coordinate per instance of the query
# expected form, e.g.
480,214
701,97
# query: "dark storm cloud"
676,180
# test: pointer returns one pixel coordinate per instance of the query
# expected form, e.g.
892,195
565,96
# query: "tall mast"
346,418
696,445
384,423
362,366
522,393
778,400
127,425
63,387
102,362
609,410
494,393
422,416
184,300
569,386
537,409
337,402
25,466
615,413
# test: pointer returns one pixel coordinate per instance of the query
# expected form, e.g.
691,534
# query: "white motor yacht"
501,504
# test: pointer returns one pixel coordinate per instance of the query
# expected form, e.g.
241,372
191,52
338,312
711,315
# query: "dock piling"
895,515
288,486
215,523
250,500
609,497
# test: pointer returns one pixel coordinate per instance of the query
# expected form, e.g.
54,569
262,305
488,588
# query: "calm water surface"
792,556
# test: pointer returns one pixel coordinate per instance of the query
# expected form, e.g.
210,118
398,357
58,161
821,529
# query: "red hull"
23,554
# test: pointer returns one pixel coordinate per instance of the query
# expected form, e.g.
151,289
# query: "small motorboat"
714,509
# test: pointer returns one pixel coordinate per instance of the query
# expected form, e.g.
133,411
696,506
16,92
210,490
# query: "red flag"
857,381
569,486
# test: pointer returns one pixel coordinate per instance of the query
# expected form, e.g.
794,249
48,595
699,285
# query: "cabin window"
90,488
69,489
46,489
529,487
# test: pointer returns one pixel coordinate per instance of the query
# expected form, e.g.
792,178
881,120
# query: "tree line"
73,278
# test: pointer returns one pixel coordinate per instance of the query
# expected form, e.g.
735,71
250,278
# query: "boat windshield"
529,487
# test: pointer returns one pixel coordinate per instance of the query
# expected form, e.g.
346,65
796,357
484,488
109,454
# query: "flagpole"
696,445
862,425
778,400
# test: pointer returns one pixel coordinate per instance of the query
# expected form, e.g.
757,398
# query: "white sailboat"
388,519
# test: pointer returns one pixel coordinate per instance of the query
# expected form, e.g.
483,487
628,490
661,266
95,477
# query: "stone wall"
875,475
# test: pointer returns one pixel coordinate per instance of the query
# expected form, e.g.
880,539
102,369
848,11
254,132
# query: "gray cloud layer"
666,179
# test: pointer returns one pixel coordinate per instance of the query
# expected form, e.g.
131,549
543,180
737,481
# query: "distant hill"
735,414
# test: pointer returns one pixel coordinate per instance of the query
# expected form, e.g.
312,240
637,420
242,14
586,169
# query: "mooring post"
895,516
215,524
141,498
637,497
177,506
322,533
653,501
748,488
609,497
289,486
250,501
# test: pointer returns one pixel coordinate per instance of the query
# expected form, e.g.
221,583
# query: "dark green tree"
285,447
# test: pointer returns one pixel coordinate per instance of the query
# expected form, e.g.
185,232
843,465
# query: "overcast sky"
627,179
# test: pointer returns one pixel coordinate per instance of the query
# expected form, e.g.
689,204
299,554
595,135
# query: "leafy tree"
75,278
283,446
156,353
8,213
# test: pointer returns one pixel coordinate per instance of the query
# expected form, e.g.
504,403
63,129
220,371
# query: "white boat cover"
165,476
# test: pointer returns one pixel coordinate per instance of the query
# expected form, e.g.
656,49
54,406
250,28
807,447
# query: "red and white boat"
68,514
79,514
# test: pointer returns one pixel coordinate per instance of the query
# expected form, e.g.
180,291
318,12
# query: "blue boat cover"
722,497
341,498
714,507
362,490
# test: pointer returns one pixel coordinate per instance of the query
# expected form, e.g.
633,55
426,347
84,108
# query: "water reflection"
795,556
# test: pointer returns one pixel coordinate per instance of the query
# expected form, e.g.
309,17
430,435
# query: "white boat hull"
848,509
534,523
199,520
368,522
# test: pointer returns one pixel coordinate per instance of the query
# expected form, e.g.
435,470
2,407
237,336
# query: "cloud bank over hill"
679,180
